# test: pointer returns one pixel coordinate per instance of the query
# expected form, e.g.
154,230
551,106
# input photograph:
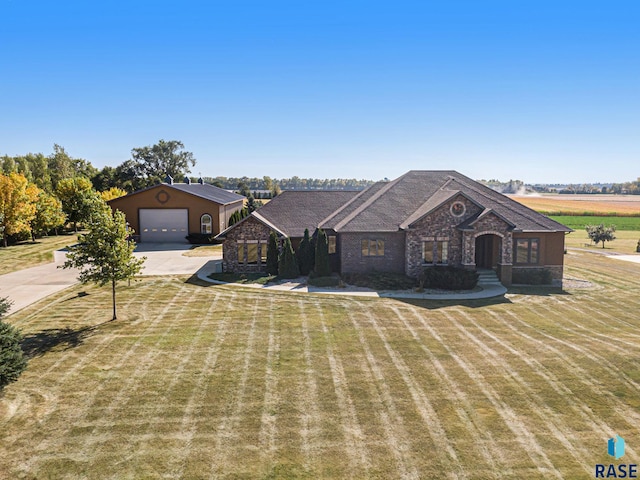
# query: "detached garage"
168,212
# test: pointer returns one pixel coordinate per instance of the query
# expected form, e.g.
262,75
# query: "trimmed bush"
12,360
380,280
272,254
448,278
322,267
532,276
287,264
305,254
201,239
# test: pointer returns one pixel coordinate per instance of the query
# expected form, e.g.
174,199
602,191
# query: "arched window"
206,224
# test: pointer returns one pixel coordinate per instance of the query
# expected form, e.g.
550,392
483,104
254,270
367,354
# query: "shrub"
201,239
322,267
532,276
287,264
272,254
305,254
638,247
380,280
448,278
12,361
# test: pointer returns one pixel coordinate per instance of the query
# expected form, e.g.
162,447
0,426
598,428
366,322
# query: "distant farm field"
578,222
226,382
594,205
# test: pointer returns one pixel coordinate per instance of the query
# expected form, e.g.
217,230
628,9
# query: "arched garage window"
206,224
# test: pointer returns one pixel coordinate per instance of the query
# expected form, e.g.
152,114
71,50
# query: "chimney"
169,180
187,180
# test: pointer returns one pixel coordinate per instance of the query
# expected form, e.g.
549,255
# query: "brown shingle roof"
293,211
397,204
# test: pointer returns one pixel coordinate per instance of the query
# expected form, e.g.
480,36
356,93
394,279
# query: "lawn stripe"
575,370
423,405
308,398
188,424
520,431
354,438
268,427
537,405
87,401
128,387
454,393
397,437
225,434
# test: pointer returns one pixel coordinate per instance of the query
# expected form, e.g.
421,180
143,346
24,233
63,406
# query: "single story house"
421,218
168,212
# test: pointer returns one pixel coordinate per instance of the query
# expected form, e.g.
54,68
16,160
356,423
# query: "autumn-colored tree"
17,204
49,214
113,192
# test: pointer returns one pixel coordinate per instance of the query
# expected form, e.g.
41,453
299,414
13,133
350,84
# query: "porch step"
488,277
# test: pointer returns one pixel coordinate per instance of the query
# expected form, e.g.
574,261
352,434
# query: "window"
435,252
331,239
206,224
372,248
249,251
527,250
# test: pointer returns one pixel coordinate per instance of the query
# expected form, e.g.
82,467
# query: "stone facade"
353,261
249,230
438,225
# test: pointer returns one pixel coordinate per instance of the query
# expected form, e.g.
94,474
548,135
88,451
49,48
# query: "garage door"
164,225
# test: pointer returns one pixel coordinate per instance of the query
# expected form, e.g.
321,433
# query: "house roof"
293,211
397,204
206,191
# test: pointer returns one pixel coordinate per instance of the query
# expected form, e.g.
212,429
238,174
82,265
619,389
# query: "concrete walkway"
488,290
27,286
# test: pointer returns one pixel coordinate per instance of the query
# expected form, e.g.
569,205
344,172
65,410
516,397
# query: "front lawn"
223,382
29,254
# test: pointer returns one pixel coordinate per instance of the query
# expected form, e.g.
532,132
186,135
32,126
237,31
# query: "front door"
487,251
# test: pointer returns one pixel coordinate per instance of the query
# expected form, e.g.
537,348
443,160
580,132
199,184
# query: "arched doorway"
488,250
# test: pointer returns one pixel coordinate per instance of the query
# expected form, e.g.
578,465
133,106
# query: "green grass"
204,382
626,241
29,254
578,222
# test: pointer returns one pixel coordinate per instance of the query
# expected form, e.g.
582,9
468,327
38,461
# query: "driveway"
27,286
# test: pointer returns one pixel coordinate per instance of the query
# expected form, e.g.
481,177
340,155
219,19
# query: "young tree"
12,361
306,254
105,254
17,204
287,265
164,158
49,214
272,254
322,266
600,233
79,199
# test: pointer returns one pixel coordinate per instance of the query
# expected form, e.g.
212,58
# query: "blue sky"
541,91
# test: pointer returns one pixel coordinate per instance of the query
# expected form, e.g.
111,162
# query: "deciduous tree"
113,192
79,199
105,254
164,158
49,214
17,204
600,233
